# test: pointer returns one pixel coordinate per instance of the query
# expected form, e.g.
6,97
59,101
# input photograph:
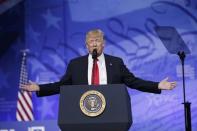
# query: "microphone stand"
187,109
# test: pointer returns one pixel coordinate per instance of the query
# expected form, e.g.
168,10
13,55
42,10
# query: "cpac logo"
36,128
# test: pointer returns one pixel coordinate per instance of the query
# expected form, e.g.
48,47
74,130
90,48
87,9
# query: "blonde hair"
95,33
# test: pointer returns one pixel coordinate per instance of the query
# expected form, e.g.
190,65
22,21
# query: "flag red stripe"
29,118
29,94
20,115
29,107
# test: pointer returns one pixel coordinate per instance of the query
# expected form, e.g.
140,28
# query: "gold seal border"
92,92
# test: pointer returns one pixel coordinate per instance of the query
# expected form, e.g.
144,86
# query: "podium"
116,115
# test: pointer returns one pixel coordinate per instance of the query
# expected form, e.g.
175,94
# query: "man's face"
95,43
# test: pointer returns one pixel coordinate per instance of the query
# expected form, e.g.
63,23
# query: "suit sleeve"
136,83
54,88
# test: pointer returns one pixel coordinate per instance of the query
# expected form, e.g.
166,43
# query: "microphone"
94,54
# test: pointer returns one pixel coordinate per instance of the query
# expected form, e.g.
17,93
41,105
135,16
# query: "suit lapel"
108,69
85,70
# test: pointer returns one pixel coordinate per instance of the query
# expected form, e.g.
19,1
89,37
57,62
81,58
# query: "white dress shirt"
102,69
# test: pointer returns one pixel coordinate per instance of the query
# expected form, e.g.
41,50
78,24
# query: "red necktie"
95,73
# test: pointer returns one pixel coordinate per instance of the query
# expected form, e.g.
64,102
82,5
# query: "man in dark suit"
103,69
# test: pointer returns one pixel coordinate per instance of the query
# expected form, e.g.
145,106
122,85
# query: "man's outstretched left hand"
166,85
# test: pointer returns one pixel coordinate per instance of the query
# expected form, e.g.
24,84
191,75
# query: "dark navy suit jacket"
117,73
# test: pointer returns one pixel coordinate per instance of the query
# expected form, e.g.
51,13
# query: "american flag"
24,111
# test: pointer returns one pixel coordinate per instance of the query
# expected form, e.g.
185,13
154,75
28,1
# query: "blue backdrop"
55,33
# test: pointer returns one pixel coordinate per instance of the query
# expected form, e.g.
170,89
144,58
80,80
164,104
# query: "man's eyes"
97,40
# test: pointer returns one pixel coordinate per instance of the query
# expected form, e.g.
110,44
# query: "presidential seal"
92,103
